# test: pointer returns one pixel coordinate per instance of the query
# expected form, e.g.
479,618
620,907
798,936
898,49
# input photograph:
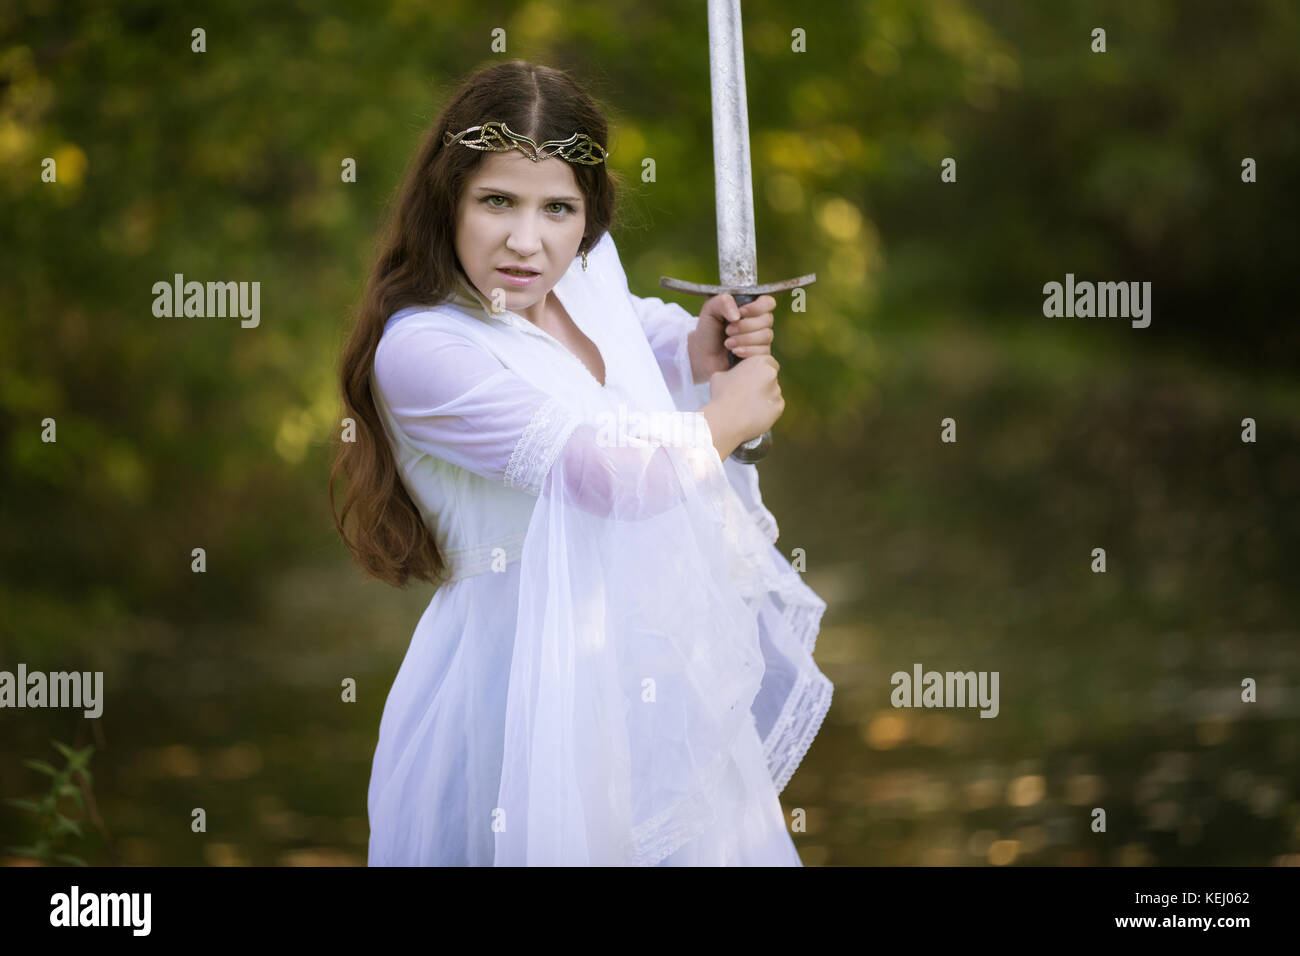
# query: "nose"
524,240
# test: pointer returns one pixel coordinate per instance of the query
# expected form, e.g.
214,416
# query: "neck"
535,313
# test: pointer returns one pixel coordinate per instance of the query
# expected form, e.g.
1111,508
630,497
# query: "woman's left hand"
723,326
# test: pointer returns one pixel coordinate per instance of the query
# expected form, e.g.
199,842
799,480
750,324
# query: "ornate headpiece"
500,138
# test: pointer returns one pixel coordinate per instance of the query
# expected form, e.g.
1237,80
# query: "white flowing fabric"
618,670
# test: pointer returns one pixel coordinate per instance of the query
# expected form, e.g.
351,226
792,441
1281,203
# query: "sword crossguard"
753,291
756,449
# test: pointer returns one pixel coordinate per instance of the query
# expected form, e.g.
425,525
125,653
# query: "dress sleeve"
451,398
666,326
661,686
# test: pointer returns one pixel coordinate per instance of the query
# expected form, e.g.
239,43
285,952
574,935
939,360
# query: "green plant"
72,781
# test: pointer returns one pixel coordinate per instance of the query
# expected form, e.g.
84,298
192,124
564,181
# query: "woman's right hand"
745,402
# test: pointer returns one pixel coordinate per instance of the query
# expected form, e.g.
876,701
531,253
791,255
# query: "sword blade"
733,181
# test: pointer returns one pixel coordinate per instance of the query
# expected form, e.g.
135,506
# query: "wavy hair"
416,264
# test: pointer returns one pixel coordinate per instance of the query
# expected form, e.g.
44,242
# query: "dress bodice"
476,519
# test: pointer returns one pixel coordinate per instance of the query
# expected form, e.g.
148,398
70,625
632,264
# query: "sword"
734,188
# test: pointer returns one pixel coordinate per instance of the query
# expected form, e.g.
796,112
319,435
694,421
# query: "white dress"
618,669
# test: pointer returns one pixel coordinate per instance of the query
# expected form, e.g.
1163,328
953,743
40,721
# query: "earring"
584,262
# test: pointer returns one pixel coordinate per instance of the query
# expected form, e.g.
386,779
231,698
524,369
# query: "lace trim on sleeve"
538,446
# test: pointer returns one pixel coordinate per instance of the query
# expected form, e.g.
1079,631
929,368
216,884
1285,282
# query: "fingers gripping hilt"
756,449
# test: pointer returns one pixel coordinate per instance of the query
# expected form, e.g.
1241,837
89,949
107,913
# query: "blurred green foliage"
176,433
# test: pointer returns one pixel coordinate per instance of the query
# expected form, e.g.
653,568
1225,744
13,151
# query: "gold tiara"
499,138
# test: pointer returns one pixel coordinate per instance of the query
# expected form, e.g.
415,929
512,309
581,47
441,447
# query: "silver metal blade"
733,182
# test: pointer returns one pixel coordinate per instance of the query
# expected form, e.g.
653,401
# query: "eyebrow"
510,195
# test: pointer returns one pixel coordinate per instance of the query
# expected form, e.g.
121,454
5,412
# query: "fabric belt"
469,562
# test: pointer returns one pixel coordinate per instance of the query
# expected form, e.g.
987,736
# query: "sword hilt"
756,449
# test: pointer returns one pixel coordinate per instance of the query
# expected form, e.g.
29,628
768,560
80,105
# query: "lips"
527,270
518,281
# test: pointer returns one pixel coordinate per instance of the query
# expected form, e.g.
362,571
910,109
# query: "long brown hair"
416,264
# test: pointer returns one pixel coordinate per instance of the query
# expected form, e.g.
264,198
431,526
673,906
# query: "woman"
616,668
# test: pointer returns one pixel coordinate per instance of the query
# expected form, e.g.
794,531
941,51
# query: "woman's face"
518,213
